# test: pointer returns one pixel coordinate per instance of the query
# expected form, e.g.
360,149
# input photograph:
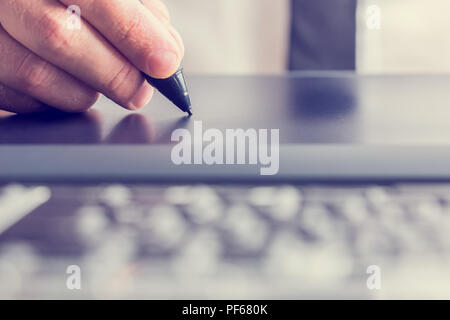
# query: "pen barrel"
173,88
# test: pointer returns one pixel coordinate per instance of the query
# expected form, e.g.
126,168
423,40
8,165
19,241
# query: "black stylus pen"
173,88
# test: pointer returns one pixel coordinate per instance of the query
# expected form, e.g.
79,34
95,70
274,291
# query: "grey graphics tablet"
330,126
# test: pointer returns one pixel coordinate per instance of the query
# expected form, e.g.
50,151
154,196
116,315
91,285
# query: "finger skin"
14,101
137,33
22,70
160,10
41,26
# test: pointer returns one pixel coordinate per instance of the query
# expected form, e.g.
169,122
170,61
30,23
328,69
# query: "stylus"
173,88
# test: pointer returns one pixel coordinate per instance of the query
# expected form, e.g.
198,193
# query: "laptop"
349,198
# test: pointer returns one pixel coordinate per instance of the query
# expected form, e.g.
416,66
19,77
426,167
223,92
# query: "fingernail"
141,98
162,64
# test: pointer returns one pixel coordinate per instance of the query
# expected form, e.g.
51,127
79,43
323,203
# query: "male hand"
44,63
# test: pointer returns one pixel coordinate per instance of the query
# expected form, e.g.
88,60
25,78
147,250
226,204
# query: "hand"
44,63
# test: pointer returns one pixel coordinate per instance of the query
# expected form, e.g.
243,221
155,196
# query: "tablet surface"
331,126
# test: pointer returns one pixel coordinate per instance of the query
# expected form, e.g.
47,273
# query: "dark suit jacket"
323,35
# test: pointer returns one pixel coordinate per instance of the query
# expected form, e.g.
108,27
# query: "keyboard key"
317,221
281,204
205,205
178,195
116,195
287,204
262,196
91,223
199,256
355,210
164,228
18,263
290,257
244,230
17,201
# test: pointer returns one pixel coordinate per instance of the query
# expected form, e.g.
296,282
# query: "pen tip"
189,112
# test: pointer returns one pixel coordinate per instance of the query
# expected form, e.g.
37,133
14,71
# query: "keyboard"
224,241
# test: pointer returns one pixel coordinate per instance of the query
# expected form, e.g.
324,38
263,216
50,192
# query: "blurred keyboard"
222,241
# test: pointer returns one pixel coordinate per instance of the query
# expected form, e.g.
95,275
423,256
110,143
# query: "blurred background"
254,36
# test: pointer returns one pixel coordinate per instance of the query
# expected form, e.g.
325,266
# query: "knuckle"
120,80
54,36
126,30
33,72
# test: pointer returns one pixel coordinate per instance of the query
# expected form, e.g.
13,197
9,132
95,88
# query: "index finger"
134,31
